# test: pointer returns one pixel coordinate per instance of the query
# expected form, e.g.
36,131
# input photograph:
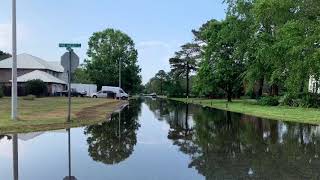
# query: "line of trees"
261,47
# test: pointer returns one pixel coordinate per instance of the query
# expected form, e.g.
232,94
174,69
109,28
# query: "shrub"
1,92
288,99
269,101
36,87
29,97
306,100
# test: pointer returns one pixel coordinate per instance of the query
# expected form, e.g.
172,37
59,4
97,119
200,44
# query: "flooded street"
161,139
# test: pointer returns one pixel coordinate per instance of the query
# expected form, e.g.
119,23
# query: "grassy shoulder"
250,107
50,113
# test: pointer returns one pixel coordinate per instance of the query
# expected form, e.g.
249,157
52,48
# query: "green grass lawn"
50,113
250,107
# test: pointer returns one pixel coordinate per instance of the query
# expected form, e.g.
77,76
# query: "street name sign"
69,45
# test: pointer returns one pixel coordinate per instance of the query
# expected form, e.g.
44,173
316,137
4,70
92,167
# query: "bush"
288,99
1,92
269,101
36,87
306,100
29,97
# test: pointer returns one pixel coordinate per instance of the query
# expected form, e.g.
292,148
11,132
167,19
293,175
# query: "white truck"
107,90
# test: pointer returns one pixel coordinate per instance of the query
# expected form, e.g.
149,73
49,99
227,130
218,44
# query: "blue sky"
157,27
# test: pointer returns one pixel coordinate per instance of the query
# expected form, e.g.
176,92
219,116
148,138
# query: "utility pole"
120,97
14,99
120,78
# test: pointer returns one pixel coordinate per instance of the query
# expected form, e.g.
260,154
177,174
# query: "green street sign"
69,45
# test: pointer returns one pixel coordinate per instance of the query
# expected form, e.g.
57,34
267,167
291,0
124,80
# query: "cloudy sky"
158,27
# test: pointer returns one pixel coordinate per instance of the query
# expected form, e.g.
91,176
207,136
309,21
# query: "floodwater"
161,139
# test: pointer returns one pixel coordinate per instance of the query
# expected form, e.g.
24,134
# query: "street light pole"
120,96
14,99
120,78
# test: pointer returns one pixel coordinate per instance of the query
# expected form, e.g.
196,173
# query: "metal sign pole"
14,94
69,86
69,61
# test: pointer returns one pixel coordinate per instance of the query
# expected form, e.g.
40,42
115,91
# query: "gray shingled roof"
37,74
27,61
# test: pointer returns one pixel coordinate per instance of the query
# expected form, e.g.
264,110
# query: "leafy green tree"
185,61
106,50
81,76
4,55
161,75
223,56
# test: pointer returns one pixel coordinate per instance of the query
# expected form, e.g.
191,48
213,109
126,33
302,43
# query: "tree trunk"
260,85
274,90
187,80
161,87
229,95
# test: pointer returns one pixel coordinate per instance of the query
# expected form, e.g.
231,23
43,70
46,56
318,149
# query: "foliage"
36,87
29,97
4,55
161,76
81,76
106,50
222,63
185,61
269,101
307,100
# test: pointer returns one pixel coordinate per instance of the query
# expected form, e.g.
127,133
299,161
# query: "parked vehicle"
74,93
103,94
118,91
89,88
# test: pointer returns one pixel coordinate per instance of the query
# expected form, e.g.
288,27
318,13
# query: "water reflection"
233,146
112,142
69,177
15,157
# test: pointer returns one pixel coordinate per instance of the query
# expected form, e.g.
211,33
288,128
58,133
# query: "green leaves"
106,50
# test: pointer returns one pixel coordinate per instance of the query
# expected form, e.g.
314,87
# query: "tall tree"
81,76
161,75
223,55
185,61
108,49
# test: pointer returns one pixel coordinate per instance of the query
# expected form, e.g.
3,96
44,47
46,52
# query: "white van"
118,91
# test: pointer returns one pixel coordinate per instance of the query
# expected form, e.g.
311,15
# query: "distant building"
30,68
314,85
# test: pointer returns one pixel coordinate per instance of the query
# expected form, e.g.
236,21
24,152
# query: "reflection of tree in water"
109,146
5,136
232,146
160,107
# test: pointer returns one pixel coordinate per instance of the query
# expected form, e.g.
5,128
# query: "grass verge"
250,107
50,113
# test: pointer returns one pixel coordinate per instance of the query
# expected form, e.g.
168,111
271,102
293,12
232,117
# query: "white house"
314,85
